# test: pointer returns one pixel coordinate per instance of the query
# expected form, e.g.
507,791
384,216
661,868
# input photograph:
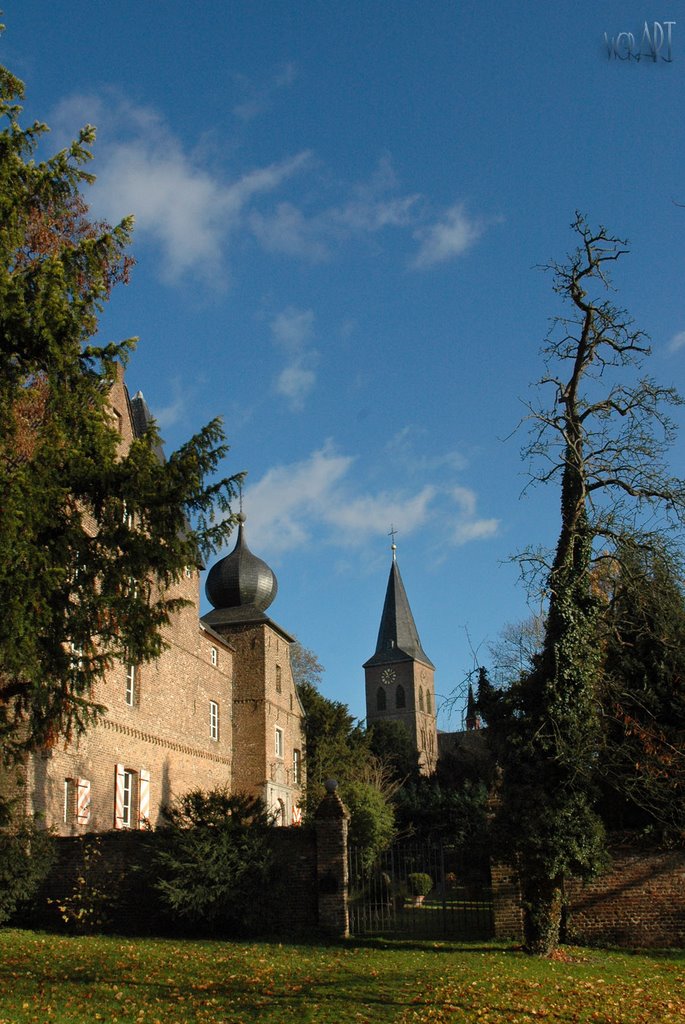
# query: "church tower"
400,675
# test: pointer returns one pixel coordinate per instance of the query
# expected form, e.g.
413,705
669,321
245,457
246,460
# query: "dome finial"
393,546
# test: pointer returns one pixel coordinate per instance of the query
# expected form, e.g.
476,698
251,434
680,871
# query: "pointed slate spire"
398,637
472,713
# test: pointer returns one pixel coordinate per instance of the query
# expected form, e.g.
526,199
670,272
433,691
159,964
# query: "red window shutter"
119,797
144,798
83,801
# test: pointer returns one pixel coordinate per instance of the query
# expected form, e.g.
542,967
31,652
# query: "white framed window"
213,720
131,685
76,658
188,572
279,742
128,790
69,801
214,656
297,767
131,797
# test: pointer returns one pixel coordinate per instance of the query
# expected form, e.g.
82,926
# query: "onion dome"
241,580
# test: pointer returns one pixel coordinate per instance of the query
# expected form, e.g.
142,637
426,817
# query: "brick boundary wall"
308,897
638,902
506,903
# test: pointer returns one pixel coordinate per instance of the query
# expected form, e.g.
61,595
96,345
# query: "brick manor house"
217,708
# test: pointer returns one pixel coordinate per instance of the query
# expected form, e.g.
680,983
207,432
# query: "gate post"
506,902
332,874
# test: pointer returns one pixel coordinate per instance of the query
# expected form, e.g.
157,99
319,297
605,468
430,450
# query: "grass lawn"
48,978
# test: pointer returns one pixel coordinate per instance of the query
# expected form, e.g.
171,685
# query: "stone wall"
506,903
638,902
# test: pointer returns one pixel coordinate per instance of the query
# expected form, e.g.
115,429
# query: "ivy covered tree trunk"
542,912
603,441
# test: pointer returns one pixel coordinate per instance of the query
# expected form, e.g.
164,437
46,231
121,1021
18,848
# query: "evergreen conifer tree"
91,537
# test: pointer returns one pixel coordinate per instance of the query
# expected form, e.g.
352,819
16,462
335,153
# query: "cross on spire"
393,546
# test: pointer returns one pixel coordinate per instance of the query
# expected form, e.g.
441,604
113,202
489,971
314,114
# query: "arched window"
420,698
400,697
428,702
381,702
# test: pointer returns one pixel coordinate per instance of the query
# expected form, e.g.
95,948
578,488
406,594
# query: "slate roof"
141,417
398,637
241,580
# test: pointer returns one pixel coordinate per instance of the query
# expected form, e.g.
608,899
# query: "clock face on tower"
388,676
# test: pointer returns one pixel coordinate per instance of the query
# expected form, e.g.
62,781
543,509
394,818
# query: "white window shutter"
119,797
83,801
144,798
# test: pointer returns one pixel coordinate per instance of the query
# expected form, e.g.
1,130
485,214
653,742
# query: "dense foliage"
91,537
213,866
642,763
26,855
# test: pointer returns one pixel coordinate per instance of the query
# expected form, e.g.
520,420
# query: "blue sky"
339,212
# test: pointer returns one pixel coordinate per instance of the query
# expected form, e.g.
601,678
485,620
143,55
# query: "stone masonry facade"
203,715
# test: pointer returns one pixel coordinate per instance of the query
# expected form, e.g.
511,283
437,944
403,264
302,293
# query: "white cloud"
318,501
172,413
677,342
293,327
288,501
408,448
451,236
191,210
295,383
258,97
292,330
288,231
371,514
468,526
372,207
187,210
369,214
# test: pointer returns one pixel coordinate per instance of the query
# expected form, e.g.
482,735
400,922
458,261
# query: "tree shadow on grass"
431,945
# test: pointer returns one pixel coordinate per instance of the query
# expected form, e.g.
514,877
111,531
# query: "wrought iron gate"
390,898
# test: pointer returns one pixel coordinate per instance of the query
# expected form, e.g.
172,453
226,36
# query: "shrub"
420,884
372,819
213,864
26,855
92,902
